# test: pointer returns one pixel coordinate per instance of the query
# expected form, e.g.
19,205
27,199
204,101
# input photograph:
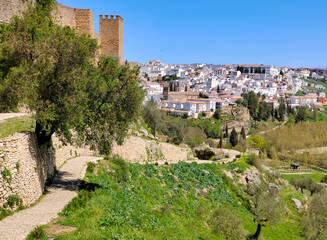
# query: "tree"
306,183
113,103
243,134
281,111
226,222
266,207
253,103
233,137
217,114
226,131
46,67
152,116
52,71
301,115
315,223
218,89
221,141
175,130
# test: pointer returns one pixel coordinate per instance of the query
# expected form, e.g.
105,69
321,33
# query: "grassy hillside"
133,201
14,125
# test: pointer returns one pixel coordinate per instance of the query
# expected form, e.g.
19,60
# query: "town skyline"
281,33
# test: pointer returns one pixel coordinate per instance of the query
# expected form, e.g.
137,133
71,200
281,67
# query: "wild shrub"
90,167
37,233
121,168
14,200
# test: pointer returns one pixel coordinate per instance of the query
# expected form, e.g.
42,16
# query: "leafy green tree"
113,103
194,137
226,223
253,103
217,114
305,183
152,116
267,207
175,130
233,137
46,67
301,115
52,71
315,223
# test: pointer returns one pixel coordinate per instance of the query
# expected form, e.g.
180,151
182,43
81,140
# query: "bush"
121,168
238,156
14,200
37,233
90,167
252,160
324,180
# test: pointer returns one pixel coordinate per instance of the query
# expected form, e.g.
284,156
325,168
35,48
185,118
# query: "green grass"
14,125
317,90
315,176
162,202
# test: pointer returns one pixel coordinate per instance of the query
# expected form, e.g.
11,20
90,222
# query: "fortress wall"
65,16
8,8
24,167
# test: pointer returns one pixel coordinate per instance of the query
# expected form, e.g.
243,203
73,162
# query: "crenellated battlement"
112,17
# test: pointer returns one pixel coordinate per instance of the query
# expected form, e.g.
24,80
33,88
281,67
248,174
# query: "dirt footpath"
19,225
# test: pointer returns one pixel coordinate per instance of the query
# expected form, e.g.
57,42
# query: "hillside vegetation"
177,201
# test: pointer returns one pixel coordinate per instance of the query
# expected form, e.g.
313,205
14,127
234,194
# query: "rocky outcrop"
252,176
297,203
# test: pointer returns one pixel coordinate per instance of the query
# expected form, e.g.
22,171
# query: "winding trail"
5,116
19,225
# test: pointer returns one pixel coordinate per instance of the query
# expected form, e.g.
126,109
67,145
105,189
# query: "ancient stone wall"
24,167
8,8
111,30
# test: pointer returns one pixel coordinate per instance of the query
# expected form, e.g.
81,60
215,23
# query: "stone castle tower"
111,29
111,32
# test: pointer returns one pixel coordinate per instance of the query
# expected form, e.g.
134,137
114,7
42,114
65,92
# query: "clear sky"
277,32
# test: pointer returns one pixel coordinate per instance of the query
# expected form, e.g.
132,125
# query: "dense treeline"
53,72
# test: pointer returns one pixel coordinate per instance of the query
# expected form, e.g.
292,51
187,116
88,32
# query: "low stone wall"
24,167
137,149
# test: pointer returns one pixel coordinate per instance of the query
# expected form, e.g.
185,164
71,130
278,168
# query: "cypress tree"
243,134
226,131
233,137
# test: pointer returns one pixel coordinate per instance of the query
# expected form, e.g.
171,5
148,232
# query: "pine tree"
218,89
243,134
233,137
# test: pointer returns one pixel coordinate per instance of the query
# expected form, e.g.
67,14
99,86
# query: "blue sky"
277,32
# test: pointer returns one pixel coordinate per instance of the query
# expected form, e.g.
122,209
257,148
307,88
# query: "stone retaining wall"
137,149
24,167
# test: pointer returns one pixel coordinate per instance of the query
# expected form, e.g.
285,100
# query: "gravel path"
5,116
19,225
